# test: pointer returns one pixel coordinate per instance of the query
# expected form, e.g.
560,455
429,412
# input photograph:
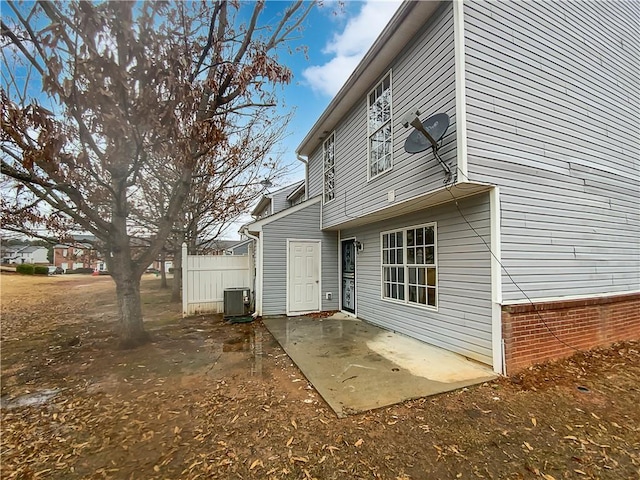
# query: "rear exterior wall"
552,118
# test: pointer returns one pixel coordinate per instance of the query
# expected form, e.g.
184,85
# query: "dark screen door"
349,276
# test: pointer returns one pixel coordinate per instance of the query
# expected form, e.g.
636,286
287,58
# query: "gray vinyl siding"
423,76
462,322
279,198
301,225
552,118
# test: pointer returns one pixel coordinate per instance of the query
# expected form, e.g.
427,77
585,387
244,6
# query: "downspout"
305,160
257,286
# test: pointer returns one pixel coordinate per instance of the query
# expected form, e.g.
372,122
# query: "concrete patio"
357,366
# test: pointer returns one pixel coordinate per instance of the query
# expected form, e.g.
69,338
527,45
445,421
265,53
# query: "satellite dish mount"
426,135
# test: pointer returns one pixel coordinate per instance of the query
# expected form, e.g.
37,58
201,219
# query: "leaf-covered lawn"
211,400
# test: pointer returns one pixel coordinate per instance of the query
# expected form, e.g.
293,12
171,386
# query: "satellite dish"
434,127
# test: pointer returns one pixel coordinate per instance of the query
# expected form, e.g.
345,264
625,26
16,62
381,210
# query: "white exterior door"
303,293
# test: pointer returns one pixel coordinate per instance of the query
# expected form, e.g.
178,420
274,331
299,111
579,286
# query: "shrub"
83,270
41,270
25,268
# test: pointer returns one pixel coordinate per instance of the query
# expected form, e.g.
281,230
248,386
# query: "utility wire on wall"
535,308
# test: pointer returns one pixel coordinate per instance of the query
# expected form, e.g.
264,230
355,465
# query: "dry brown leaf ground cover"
210,400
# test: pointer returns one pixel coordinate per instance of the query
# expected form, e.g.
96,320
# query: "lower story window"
409,272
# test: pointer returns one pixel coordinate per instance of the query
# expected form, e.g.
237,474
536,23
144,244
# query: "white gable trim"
257,226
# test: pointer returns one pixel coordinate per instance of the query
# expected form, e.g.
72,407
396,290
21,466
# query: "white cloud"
349,46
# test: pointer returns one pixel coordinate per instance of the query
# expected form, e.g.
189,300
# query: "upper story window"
379,128
328,155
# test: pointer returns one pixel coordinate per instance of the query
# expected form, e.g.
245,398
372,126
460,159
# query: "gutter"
305,160
257,279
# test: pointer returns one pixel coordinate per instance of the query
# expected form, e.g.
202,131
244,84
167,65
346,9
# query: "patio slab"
357,366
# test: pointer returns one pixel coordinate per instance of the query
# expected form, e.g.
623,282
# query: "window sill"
409,304
371,179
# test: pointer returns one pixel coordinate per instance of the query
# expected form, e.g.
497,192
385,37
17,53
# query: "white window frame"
330,141
403,268
388,123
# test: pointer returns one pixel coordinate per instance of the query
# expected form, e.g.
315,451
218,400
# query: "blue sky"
337,37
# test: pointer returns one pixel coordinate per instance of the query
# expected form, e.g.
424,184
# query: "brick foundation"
580,324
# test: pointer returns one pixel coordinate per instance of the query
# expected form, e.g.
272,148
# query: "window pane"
412,275
422,295
401,275
399,239
430,236
419,255
431,300
394,291
410,237
392,240
392,257
400,255
430,255
401,292
413,291
385,240
431,277
394,275
385,256
419,236
411,256
421,275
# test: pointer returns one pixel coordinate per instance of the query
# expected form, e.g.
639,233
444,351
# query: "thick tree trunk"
132,332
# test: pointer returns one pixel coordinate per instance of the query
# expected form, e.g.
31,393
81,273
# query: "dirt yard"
210,400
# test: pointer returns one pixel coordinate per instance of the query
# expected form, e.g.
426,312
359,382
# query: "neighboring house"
78,253
239,247
25,254
10,253
279,200
532,248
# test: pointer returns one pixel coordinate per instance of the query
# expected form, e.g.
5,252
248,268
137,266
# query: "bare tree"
126,85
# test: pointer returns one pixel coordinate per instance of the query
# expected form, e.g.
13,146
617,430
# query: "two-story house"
530,248
25,254
78,253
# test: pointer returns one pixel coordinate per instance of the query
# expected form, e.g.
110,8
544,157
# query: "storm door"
349,276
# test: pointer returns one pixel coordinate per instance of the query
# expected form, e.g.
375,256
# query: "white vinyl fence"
205,278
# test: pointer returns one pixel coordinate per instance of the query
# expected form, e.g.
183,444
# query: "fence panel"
205,278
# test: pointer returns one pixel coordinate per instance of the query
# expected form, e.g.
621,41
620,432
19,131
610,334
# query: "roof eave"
264,202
